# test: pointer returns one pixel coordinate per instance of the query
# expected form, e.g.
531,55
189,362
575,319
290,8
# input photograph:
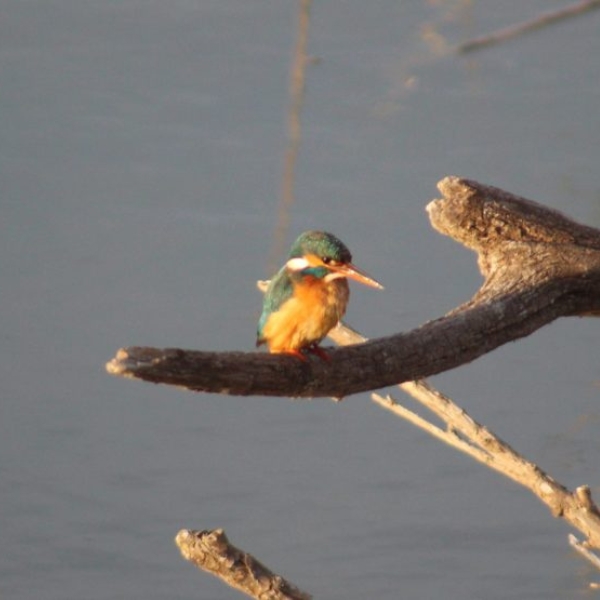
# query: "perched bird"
309,295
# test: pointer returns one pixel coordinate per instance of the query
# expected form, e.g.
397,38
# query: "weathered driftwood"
212,552
538,266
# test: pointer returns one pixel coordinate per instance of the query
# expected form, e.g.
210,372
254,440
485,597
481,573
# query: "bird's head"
324,256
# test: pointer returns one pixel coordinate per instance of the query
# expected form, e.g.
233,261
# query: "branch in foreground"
212,552
538,266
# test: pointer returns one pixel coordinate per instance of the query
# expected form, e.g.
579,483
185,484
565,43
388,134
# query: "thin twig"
515,30
577,507
586,552
448,436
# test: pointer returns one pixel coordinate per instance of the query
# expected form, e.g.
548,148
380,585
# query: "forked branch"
538,266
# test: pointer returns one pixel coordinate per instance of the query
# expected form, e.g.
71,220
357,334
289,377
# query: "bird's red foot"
301,353
318,351
297,353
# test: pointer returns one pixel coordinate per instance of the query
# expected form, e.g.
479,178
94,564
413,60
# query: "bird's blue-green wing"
280,289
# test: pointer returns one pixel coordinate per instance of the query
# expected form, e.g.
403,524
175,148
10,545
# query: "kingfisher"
308,295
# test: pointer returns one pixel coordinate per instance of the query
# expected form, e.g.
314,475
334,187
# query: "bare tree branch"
538,266
212,552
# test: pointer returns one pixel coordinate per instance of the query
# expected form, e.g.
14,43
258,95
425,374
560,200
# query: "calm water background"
142,150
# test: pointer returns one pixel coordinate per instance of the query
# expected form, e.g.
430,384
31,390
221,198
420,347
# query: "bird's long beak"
351,272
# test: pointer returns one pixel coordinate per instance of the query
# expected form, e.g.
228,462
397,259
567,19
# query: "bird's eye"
326,260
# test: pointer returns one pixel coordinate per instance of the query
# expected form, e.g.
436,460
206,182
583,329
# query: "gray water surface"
140,169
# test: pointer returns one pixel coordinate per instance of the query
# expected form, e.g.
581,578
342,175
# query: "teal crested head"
320,243
323,255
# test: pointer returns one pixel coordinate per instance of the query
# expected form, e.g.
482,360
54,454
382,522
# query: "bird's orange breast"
304,319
